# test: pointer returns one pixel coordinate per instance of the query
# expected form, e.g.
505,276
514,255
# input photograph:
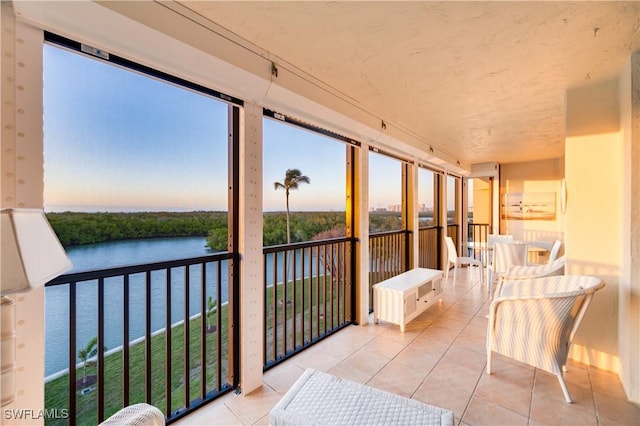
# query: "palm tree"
292,178
87,352
212,306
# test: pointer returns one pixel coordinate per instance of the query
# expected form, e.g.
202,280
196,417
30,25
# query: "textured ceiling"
485,81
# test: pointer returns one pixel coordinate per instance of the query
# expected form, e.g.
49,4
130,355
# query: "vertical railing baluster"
385,267
332,254
342,278
318,300
340,265
311,280
187,339
266,311
382,248
374,263
167,359
294,301
219,324
323,272
422,253
382,258
147,340
391,253
398,252
395,256
203,330
274,268
371,270
125,341
324,286
72,353
101,346
285,281
302,298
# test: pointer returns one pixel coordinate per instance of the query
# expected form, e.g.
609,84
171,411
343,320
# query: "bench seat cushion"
322,399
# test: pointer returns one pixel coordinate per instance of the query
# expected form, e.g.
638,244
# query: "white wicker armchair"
534,320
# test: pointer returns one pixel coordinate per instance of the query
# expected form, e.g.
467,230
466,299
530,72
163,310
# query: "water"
131,252
113,254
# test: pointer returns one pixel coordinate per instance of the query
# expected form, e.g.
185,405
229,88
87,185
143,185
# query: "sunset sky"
116,140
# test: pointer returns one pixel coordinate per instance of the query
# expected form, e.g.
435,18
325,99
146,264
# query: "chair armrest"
552,286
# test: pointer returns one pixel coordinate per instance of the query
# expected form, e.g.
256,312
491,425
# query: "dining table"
484,248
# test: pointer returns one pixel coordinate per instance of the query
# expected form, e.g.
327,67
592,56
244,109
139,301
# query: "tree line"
75,228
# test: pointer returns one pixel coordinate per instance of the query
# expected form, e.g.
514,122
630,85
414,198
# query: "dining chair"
492,239
458,261
555,250
504,256
499,238
550,247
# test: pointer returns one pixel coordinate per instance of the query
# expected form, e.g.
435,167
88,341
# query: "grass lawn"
57,390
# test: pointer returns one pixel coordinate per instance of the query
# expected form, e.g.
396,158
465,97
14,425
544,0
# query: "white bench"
318,398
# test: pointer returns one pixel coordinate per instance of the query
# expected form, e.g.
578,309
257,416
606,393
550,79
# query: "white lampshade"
30,251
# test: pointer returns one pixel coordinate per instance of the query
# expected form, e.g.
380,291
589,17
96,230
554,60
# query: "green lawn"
57,391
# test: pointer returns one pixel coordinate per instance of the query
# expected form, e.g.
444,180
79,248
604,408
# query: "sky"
116,140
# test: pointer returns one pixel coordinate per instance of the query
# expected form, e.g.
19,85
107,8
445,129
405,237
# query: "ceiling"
483,81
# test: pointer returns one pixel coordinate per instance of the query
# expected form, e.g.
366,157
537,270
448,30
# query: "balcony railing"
138,315
388,257
153,345
477,232
452,231
308,295
428,246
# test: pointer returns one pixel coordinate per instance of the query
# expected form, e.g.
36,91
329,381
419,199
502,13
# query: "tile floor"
440,359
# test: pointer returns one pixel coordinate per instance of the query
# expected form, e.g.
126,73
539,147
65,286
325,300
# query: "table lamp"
30,256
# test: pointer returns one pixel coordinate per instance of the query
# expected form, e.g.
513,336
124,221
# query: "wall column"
443,221
361,232
629,285
414,225
21,156
251,257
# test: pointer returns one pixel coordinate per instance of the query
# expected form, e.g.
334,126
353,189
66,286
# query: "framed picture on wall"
529,206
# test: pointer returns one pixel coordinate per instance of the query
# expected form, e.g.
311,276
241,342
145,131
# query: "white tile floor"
440,359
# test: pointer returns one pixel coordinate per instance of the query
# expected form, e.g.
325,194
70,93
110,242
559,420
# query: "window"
385,193
316,207
428,197
130,157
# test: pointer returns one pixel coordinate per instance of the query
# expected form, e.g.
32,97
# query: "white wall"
535,177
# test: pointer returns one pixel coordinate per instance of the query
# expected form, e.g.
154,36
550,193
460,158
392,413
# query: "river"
109,255
121,253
